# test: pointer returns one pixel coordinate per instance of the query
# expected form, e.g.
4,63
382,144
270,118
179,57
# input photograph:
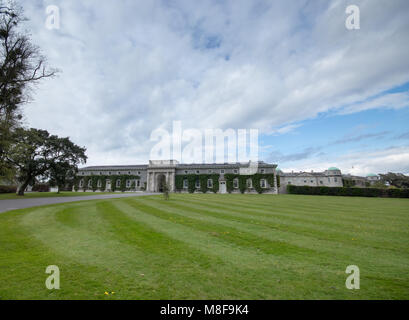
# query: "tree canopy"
21,67
35,153
398,180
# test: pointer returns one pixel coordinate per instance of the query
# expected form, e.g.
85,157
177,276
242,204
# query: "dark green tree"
62,174
398,180
21,67
35,153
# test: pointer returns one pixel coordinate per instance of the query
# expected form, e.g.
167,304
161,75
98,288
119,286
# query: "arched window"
118,183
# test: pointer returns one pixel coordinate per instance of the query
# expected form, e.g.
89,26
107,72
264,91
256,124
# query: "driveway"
8,205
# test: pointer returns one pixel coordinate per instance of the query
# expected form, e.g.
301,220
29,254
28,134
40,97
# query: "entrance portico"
161,172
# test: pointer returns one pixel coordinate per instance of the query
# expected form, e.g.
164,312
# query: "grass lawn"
7,196
208,247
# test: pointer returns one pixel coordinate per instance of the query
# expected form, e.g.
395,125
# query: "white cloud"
394,159
131,67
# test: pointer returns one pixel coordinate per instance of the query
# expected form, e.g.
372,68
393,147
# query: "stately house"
361,182
179,177
329,178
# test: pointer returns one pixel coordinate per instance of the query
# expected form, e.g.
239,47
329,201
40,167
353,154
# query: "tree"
21,67
35,153
61,174
166,190
398,180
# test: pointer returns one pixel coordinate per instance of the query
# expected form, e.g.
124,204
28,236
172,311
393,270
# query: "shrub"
41,187
8,189
351,192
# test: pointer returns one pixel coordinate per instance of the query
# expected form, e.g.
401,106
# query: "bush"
349,192
41,187
8,189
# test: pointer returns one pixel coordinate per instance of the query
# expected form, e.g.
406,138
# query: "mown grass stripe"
264,232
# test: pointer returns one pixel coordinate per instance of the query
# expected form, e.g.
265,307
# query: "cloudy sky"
320,94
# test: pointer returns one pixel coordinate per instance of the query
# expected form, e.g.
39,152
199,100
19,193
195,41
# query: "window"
263,183
100,173
329,179
109,173
197,185
185,171
236,183
289,182
249,183
222,171
118,183
210,183
138,183
81,183
99,184
83,173
185,184
129,172
89,183
335,179
312,181
321,182
210,171
139,172
128,183
197,171
262,171
236,171
305,181
119,173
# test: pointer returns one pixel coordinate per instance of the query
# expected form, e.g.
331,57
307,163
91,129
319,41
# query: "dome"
333,169
371,175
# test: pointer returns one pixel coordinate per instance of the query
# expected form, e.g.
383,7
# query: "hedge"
41,187
8,189
349,192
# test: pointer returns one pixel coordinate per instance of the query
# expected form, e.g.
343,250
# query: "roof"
371,175
223,165
179,166
333,169
303,174
114,168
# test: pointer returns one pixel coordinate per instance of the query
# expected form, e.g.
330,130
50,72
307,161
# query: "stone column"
150,186
275,183
172,182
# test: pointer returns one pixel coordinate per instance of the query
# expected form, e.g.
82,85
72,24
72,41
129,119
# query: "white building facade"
329,178
154,176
